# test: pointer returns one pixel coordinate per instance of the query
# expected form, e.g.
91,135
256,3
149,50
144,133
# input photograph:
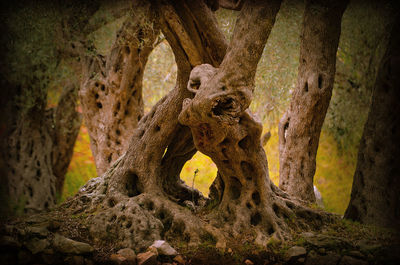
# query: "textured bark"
39,149
38,143
224,129
136,191
376,185
141,198
300,126
111,90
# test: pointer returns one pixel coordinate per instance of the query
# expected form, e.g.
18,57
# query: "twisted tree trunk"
376,184
111,90
141,198
142,190
225,130
300,126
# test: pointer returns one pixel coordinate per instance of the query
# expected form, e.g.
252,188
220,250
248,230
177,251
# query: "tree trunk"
141,198
225,130
300,126
39,149
376,185
136,191
111,90
38,143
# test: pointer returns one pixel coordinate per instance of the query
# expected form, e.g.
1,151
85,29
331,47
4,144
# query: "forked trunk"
141,198
376,186
300,126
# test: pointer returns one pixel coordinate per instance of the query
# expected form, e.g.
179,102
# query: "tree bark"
300,126
141,198
376,184
38,142
39,149
111,90
225,130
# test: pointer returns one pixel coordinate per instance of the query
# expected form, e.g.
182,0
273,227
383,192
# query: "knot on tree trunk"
216,99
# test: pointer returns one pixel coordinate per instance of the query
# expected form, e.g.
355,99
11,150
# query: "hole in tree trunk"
320,81
111,202
247,169
38,174
223,105
149,205
245,143
30,191
271,230
255,219
235,188
99,105
166,219
205,176
132,185
256,197
141,133
225,142
306,87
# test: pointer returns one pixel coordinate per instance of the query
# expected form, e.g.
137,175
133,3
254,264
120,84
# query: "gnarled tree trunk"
39,149
142,189
141,198
111,90
300,126
225,130
376,185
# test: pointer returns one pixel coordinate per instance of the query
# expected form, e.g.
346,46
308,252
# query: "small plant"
194,178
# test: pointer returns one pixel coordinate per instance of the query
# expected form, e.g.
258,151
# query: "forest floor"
55,238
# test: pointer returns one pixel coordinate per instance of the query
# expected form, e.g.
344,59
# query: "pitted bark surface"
300,126
136,199
140,198
111,89
225,130
39,151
